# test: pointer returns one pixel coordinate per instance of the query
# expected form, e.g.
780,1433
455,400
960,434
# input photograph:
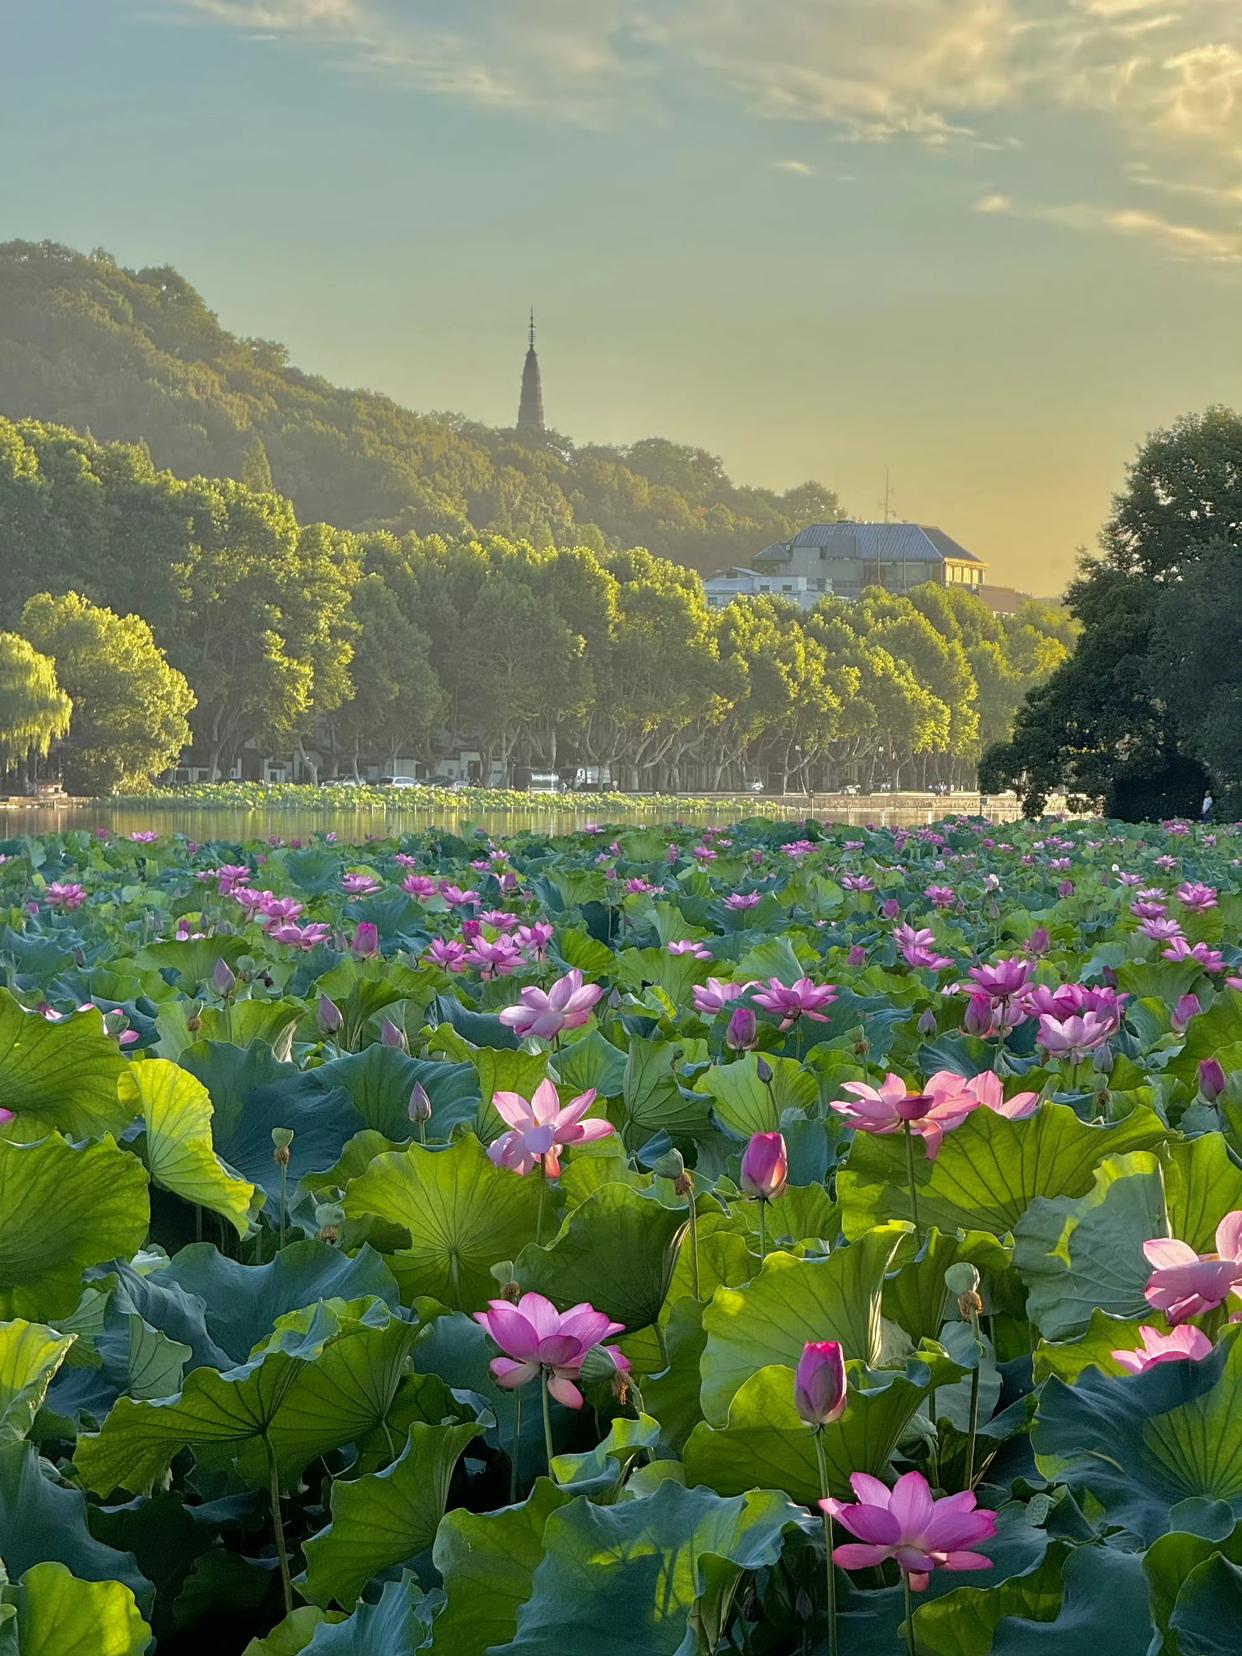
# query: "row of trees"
366,646
1147,714
138,355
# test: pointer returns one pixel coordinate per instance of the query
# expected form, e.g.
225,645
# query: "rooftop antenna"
886,503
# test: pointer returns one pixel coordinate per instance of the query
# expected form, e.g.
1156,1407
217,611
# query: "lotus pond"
769,1239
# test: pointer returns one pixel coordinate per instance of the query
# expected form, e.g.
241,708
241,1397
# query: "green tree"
34,710
256,472
130,707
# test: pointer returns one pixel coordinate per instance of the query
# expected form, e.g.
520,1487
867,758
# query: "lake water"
543,815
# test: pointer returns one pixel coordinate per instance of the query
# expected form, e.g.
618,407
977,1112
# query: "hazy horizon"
987,244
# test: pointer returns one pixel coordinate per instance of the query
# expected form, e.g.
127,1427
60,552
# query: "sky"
983,246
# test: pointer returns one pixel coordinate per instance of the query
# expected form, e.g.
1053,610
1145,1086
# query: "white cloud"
1182,241
801,169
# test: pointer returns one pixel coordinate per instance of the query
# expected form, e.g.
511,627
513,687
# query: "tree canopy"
34,710
138,356
1148,710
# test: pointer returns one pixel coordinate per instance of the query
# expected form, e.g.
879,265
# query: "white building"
734,583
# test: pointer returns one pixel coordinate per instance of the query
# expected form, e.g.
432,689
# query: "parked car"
400,782
851,788
756,787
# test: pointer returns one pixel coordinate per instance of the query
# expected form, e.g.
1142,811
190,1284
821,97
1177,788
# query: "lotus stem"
543,1191
830,1575
763,1228
547,1419
694,1244
517,1444
282,1551
914,1189
284,1192
974,1403
909,1615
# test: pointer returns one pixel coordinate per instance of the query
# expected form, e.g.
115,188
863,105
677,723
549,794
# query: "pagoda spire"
530,407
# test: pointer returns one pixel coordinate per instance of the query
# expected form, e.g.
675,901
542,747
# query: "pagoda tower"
530,407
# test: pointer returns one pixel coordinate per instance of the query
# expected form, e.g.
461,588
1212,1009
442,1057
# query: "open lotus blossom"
494,957
905,1524
1212,960
449,953
65,895
1069,999
566,1005
1073,1038
1196,896
918,947
714,995
891,1107
820,1390
359,885
1185,1284
986,1089
1149,909
1161,929
857,882
455,897
419,886
536,1337
540,1126
800,999
294,936
689,946
739,900
534,939
941,896
1184,1344
1001,980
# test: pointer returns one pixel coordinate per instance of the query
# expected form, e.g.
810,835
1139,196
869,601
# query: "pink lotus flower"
890,908
1212,960
689,946
1148,910
857,955
419,886
742,1030
1185,1284
1162,930
907,1525
294,936
1212,1079
1196,896
566,1005
857,882
739,900
917,948
941,897
1002,980
449,953
820,1393
64,895
536,1336
891,1108
986,1089
535,938
365,940
143,836
539,1127
228,875
359,885
455,897
1188,1007
1073,1038
1182,1345
714,995
986,1017
801,999
765,1167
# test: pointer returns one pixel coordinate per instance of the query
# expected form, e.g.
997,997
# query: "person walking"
1209,805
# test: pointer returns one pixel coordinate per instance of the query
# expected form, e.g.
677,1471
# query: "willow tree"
34,710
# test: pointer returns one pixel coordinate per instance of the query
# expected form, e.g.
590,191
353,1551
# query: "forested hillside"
365,645
139,356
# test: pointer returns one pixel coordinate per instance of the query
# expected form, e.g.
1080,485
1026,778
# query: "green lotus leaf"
180,1155
765,1441
1169,1565
384,1518
461,1213
639,1576
291,1636
791,1301
672,1395
916,1296
675,974
244,1021
58,1076
1208,1612
989,1169
1203,1183
30,1354
380,1079
192,960
1078,1254
322,1381
592,1063
487,1561
616,1251
62,1209
393,1626
964,1622
654,1102
503,1069
1103,1608
58,1615
1140,1445
746,1105
143,1361
601,1472
42,1520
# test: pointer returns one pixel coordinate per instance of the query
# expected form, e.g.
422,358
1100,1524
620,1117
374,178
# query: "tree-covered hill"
139,356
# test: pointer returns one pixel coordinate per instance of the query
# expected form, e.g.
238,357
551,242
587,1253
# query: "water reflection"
551,816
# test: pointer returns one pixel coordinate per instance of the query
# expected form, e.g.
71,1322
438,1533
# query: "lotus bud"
1187,1008
419,1107
1039,942
599,1364
223,979
978,1017
115,1023
1212,1079
671,1165
330,1016
282,1138
890,908
763,1070
392,1036
857,955
743,1027
820,1383
365,940
1066,888
765,1167
927,1022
